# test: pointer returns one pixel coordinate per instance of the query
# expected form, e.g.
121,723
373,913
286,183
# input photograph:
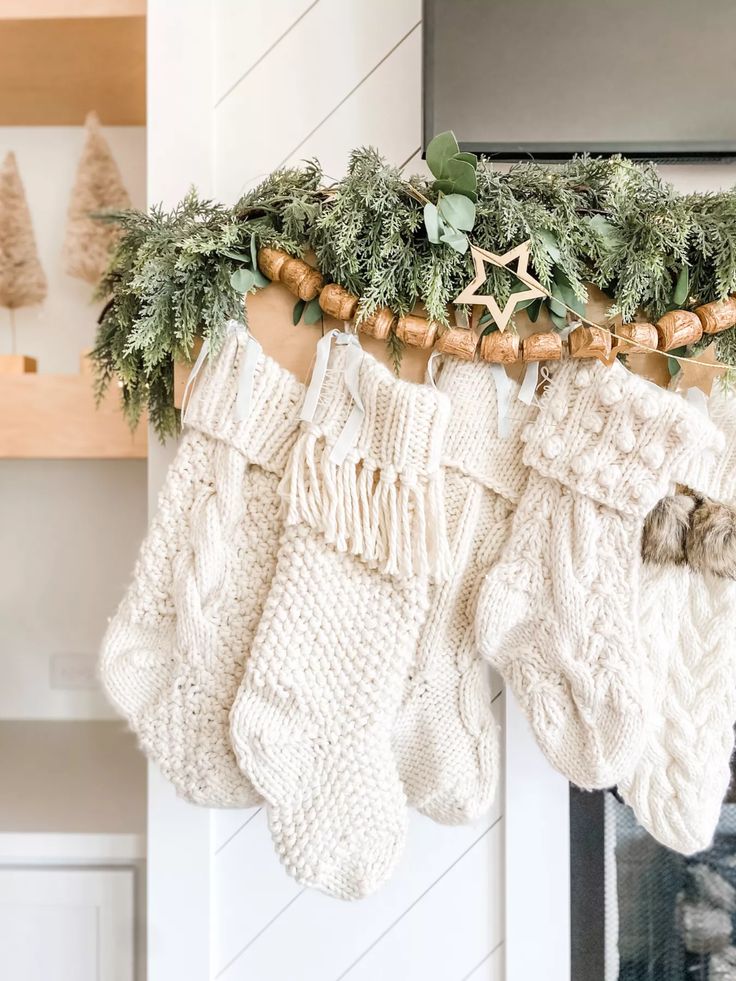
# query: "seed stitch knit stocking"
313,719
678,784
445,738
173,655
558,615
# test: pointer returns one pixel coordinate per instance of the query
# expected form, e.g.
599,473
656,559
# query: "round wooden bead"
270,262
637,336
500,347
338,302
416,331
460,342
678,328
378,324
545,346
301,279
717,316
589,342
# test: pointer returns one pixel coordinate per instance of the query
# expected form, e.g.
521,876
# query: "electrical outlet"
73,671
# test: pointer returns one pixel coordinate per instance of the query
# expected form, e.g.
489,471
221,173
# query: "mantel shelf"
55,417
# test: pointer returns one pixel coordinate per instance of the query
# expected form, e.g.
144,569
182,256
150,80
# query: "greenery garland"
612,223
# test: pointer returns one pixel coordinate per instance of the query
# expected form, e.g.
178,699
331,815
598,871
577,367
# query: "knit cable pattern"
558,616
688,626
446,740
174,654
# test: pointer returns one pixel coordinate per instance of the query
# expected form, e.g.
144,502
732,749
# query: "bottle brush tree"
98,188
22,279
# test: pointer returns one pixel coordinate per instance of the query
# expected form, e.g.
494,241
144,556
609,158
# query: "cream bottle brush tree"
98,187
22,279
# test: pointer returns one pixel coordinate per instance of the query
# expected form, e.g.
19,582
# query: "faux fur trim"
711,539
664,541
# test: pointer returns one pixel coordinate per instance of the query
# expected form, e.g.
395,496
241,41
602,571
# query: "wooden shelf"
45,9
55,417
53,71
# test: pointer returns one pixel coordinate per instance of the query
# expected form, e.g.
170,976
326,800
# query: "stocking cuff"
473,444
380,494
716,478
615,437
265,429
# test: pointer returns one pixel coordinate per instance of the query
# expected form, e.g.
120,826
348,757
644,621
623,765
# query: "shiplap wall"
294,80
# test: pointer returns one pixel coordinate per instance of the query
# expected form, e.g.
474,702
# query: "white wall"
284,82
69,529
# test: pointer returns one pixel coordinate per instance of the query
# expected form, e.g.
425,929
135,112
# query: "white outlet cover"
74,671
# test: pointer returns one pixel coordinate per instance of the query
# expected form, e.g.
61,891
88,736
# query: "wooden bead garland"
378,324
416,331
337,302
637,336
677,329
589,342
301,279
500,348
717,316
459,341
545,346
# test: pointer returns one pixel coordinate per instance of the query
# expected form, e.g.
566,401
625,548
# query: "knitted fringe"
394,521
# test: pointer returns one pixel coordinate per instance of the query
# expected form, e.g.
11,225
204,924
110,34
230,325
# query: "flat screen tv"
653,79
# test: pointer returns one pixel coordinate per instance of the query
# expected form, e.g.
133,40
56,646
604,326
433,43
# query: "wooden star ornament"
520,255
701,375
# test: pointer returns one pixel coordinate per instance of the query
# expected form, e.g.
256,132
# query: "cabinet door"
66,924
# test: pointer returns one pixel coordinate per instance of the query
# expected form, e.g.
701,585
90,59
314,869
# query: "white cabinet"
67,924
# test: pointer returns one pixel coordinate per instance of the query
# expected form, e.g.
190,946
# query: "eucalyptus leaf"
253,251
297,312
235,254
260,280
456,240
485,318
242,280
469,158
682,287
444,186
550,243
312,312
490,328
439,151
534,309
559,322
432,223
555,307
457,210
463,177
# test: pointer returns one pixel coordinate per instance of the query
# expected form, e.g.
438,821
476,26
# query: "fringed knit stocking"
445,737
313,720
173,655
678,784
558,615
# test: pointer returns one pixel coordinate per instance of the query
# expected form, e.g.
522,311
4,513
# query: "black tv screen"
653,79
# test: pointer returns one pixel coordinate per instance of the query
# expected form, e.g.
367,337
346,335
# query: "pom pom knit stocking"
173,654
558,615
445,737
678,784
313,720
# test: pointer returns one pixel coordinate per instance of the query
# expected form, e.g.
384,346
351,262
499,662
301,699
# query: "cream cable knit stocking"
558,615
445,737
312,722
173,655
678,784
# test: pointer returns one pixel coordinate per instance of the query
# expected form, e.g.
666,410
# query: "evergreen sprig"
611,223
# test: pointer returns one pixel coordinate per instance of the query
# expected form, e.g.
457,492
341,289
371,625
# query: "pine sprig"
612,223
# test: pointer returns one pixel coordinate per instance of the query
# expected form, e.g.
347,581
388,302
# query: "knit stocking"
558,615
678,784
445,738
173,655
312,722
